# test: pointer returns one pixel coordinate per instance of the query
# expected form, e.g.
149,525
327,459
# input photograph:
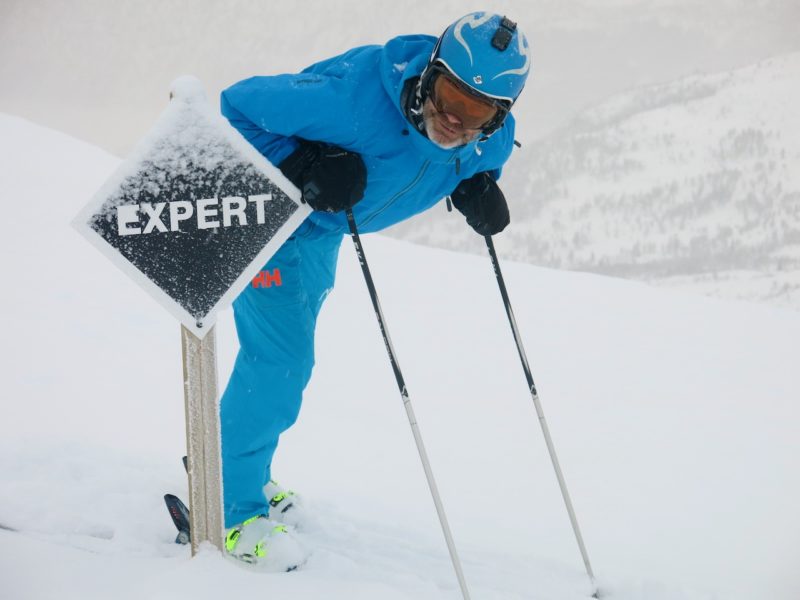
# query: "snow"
674,417
187,87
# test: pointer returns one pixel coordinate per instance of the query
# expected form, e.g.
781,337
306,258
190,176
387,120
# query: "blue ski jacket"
354,101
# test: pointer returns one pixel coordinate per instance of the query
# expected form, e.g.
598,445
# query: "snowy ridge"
674,417
695,182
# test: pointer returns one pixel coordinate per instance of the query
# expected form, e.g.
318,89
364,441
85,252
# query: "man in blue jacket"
387,131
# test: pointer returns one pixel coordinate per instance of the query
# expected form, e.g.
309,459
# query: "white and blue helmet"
488,54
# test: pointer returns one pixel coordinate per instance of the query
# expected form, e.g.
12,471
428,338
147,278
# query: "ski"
179,513
180,517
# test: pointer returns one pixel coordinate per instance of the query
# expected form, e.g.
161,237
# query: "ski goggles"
454,98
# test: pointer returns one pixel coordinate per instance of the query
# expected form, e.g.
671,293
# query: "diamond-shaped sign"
194,213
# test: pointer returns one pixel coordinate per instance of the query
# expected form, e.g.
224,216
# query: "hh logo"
266,279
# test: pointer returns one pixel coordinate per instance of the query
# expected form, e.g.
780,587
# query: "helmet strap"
411,101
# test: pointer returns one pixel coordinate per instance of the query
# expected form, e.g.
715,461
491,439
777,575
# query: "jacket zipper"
392,200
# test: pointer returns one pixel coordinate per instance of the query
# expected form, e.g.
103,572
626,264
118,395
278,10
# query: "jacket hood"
403,58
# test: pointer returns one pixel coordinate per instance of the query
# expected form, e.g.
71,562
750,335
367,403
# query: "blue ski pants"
275,320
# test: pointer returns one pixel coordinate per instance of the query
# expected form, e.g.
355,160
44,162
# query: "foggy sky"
100,70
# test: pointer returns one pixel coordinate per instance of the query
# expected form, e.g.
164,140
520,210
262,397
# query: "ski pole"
545,429
412,419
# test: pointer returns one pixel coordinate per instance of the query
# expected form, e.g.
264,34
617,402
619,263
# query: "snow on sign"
194,212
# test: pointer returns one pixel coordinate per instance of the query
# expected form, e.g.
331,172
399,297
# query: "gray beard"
429,131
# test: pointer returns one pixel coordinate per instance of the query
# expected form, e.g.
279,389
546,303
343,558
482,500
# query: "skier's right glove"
330,179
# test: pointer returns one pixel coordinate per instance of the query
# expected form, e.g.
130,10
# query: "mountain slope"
674,417
695,181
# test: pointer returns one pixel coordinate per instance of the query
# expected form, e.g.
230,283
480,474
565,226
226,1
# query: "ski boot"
265,545
284,505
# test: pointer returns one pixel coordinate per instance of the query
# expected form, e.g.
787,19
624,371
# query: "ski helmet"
487,56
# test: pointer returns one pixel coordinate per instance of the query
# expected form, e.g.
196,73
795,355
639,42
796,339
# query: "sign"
194,213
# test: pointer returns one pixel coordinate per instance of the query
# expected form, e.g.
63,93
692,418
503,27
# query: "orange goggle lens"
448,97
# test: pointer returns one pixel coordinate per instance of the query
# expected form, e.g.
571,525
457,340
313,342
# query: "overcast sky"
100,69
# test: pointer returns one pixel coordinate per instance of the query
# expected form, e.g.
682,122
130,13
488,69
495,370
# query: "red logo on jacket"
266,279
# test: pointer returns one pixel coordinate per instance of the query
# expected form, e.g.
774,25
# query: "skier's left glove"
482,202
331,179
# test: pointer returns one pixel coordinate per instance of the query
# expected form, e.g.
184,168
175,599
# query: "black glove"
331,179
481,201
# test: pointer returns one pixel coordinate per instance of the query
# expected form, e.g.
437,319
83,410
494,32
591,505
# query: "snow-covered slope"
674,416
695,181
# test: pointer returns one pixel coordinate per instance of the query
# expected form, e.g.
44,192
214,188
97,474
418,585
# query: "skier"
386,131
